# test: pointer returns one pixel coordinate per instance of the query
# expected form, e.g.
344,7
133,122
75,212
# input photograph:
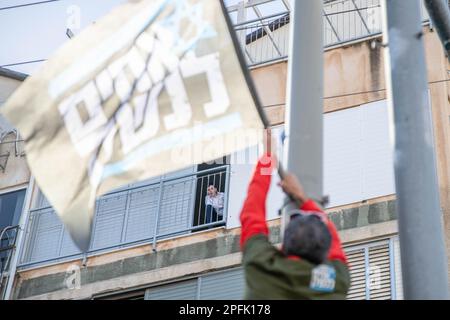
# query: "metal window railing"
265,38
8,237
136,215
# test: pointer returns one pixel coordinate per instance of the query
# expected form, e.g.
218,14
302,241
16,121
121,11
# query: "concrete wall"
7,86
182,257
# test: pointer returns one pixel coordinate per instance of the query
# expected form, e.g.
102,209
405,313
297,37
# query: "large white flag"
155,86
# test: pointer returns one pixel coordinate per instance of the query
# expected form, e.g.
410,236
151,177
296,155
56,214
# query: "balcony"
165,207
262,26
8,238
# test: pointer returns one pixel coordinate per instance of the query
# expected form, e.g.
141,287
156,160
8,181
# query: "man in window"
310,264
214,205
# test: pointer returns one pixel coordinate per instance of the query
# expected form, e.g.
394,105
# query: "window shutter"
68,247
227,285
46,232
371,271
379,272
109,220
176,206
342,164
376,154
142,212
186,290
356,260
358,163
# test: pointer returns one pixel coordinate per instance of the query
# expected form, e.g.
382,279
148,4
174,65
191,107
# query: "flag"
155,86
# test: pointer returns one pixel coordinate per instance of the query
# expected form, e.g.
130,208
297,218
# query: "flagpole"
422,245
303,154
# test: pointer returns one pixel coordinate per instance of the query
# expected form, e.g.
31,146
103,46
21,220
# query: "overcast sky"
34,32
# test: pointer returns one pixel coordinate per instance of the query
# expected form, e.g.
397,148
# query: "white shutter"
109,220
45,232
379,272
342,158
357,263
371,271
177,203
68,247
241,170
226,285
398,270
376,152
48,238
358,160
185,290
142,213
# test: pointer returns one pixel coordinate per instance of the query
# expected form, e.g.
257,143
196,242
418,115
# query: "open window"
213,174
11,204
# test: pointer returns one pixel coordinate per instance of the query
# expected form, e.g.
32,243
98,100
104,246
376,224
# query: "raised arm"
292,186
253,214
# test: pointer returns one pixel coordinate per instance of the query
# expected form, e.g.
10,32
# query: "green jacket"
269,273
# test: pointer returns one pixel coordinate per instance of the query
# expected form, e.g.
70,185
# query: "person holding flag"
311,263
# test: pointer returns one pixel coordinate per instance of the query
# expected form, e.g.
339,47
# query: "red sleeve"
336,251
253,214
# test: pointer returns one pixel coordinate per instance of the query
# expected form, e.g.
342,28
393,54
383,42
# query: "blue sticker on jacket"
323,278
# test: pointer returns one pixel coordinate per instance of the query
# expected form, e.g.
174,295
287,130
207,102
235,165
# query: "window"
222,285
11,204
10,208
375,271
358,159
167,206
209,175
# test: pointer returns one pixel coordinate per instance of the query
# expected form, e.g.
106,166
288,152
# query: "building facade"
151,240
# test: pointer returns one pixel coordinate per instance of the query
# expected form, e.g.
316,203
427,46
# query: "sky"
35,32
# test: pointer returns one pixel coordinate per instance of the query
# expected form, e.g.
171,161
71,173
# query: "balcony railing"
143,213
265,38
8,237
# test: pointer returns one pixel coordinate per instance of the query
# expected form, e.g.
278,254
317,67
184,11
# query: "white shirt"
216,202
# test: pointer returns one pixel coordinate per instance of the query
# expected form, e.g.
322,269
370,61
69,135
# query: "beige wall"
439,91
175,272
7,86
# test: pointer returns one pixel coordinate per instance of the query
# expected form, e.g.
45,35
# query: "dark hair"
307,237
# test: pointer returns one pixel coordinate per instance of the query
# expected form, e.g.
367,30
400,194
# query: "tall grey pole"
423,256
440,16
304,107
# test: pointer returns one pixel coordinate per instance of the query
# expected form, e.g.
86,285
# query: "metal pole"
424,262
440,16
304,108
158,209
